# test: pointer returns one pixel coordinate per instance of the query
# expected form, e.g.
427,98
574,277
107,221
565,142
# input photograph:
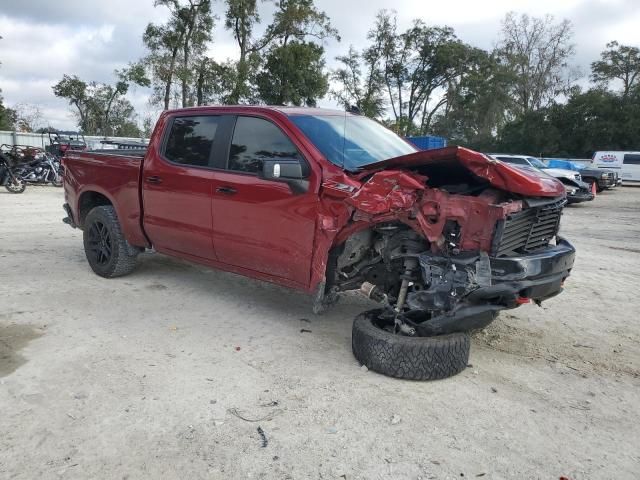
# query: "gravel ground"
172,371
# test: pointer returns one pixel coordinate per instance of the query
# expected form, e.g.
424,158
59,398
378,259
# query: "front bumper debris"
580,196
467,293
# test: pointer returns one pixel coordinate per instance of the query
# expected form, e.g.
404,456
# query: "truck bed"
115,176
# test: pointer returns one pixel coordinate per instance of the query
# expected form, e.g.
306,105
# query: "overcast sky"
44,39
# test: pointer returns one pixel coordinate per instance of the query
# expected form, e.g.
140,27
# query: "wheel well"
89,200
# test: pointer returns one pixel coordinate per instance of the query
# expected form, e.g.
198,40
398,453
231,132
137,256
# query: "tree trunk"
193,13
169,81
234,97
200,85
107,111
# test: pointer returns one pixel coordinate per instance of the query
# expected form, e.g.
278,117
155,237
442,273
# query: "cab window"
256,140
190,139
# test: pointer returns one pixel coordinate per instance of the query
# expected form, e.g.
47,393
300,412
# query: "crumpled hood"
499,174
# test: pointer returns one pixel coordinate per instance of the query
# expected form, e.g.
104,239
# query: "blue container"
428,142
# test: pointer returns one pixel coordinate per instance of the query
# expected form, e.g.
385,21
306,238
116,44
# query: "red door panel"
177,207
261,225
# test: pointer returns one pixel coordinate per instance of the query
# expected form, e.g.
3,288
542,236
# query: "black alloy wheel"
105,246
100,245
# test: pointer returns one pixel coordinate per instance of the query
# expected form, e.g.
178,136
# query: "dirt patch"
14,338
623,249
583,358
138,381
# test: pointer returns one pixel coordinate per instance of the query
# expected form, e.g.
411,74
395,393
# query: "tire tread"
413,358
124,262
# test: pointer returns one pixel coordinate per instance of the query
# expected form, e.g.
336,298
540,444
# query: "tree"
7,117
293,74
74,90
537,51
147,126
618,62
28,117
198,24
360,82
477,103
299,20
241,17
589,121
101,109
175,47
415,67
214,81
294,21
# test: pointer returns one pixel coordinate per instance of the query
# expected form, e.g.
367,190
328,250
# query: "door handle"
153,179
227,190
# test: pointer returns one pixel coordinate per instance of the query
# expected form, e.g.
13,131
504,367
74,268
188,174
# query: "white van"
626,163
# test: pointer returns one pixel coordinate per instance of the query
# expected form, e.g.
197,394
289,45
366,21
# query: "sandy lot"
148,376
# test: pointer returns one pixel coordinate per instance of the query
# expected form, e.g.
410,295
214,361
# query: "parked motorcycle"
8,179
46,169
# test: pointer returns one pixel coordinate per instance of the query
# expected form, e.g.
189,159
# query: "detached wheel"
107,251
413,358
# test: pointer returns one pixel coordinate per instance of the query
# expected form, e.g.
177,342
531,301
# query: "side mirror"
288,169
294,172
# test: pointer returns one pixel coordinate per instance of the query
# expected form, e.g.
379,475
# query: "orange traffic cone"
594,189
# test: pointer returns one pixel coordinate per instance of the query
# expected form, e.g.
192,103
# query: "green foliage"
521,97
536,50
7,117
214,82
477,103
411,71
618,62
590,121
294,22
176,49
361,83
293,75
101,109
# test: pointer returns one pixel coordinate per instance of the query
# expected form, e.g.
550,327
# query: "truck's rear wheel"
106,249
413,358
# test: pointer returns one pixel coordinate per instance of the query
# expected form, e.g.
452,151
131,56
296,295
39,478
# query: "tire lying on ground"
413,358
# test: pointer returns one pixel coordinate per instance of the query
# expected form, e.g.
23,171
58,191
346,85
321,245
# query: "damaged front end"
577,191
447,239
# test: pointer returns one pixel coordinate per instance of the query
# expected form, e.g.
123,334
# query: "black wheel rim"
100,243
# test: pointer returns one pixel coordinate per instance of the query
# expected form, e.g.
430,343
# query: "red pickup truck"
326,201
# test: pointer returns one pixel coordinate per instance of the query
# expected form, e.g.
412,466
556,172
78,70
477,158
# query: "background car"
627,163
577,190
603,178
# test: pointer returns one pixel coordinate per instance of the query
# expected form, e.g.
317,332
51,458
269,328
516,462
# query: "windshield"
537,163
351,141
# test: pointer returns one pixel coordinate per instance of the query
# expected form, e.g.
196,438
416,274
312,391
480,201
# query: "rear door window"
632,159
190,140
256,140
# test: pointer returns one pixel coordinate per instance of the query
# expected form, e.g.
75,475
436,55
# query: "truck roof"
269,108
